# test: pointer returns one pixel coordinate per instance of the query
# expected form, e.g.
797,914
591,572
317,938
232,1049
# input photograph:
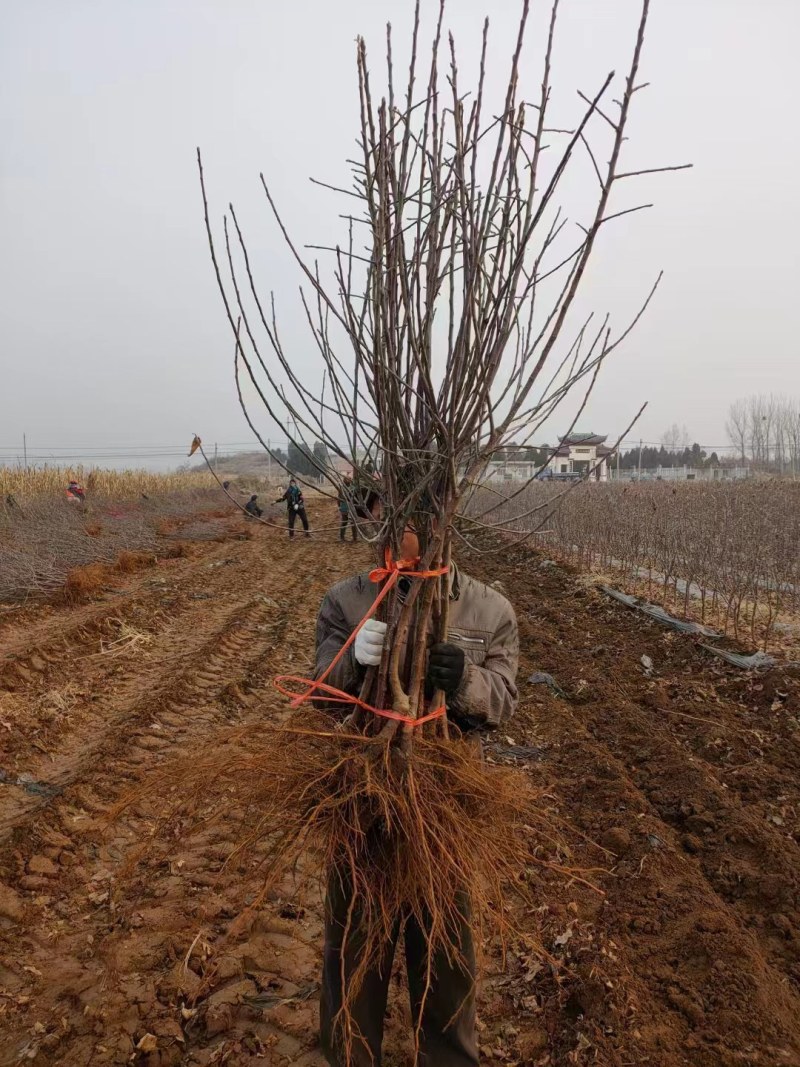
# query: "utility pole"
640,459
216,465
25,449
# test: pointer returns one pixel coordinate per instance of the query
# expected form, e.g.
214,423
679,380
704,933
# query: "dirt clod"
616,840
42,865
11,905
692,843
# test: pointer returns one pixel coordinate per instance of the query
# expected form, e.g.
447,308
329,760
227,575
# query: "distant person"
252,508
348,504
76,494
295,507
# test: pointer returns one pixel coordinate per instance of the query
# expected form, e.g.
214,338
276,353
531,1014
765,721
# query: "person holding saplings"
476,668
295,506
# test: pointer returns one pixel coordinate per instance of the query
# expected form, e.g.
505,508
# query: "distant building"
586,454
514,463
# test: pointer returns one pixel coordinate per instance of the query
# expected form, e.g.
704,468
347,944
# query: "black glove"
445,668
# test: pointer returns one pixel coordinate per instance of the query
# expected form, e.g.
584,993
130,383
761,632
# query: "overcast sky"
111,330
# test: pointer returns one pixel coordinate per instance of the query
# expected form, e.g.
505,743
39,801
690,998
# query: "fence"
681,474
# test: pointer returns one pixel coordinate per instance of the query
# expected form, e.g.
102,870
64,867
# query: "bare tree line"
765,430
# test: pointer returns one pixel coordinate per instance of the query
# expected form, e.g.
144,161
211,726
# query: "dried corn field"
727,554
105,484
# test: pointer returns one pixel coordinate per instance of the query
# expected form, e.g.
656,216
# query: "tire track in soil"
188,675
92,977
58,663
25,634
157,677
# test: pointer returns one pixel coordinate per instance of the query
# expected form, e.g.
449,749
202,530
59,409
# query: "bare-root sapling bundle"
444,330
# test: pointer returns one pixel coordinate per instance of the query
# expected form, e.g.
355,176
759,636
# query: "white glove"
369,643
297,507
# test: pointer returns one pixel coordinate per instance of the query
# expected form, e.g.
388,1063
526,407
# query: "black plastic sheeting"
754,662
655,611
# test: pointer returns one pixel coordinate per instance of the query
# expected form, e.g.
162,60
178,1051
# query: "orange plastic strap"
330,694
392,570
390,574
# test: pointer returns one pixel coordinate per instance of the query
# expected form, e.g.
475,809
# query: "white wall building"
581,453
513,463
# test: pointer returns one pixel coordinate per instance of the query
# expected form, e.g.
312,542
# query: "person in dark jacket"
252,508
295,506
348,505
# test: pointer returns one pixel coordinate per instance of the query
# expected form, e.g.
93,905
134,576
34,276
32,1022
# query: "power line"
246,446
63,454
236,445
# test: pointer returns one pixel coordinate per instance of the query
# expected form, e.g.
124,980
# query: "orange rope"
389,573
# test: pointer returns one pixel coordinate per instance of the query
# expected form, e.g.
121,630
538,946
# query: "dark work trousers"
294,516
347,519
447,1034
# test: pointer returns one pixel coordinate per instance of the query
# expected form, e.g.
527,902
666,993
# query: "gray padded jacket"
482,622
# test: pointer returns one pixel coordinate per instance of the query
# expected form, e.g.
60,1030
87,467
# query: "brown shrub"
179,550
94,529
83,581
164,527
129,562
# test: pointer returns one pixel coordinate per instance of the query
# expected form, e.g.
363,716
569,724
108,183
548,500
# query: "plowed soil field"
678,780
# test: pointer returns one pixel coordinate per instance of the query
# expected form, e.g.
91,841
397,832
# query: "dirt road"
681,781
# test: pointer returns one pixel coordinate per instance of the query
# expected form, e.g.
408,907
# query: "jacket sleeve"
488,694
332,633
